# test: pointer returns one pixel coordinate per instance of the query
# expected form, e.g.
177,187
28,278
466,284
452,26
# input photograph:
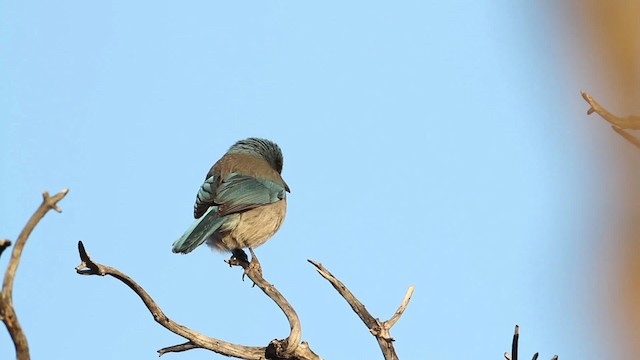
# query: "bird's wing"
206,196
198,232
239,192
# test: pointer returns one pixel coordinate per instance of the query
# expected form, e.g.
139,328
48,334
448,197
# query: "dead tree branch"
514,348
379,329
7,312
289,348
278,348
618,124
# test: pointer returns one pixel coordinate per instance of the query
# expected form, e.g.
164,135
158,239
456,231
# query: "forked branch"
379,329
617,123
289,348
7,312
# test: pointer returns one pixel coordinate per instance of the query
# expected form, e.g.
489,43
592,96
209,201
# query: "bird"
242,201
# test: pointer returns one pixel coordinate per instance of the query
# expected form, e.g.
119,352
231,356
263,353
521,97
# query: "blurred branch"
379,329
514,348
289,348
7,312
617,123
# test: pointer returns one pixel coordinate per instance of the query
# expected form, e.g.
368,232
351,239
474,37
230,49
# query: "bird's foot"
233,261
239,258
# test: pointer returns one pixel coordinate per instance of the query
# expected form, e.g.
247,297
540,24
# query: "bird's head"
266,149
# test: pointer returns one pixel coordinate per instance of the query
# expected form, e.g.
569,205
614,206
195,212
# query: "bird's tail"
198,232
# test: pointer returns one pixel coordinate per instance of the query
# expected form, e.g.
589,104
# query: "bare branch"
277,349
355,304
378,328
7,312
617,123
403,306
514,343
178,348
630,122
286,347
4,243
514,347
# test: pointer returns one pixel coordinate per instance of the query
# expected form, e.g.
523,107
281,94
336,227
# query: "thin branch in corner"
277,349
618,124
379,329
7,312
514,343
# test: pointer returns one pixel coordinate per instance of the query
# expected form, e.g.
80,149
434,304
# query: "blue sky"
443,145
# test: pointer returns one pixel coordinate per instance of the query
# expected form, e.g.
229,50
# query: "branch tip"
403,306
4,243
87,266
514,343
314,263
618,123
178,348
83,253
52,201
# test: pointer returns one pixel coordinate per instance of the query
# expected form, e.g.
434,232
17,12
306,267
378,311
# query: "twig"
514,343
378,328
178,348
514,347
4,243
403,306
196,339
618,124
7,312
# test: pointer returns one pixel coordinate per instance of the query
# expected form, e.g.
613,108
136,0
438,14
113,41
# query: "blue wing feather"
238,193
206,196
198,232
